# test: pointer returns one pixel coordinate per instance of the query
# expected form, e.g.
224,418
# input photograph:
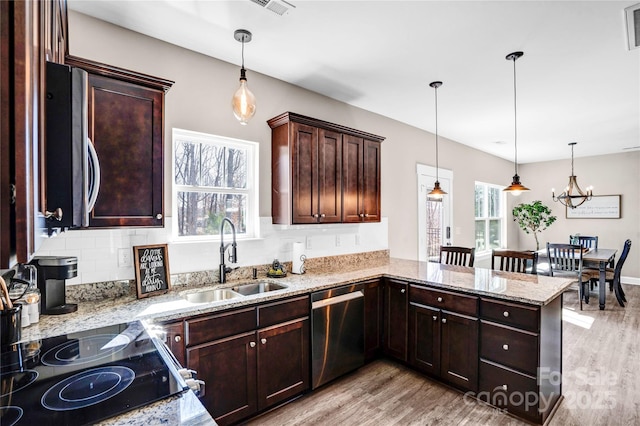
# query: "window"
489,213
214,177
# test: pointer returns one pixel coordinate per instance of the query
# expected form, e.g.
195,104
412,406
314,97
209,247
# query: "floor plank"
601,361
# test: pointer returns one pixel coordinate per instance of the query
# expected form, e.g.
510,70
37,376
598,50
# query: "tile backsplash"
106,254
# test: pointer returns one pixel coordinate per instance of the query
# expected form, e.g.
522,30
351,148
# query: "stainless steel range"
84,377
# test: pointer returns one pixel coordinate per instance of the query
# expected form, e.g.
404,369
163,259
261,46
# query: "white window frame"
487,218
251,191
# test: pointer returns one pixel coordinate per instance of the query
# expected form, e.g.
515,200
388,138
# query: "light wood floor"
601,382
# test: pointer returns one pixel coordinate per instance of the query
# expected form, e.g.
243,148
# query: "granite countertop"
186,408
531,289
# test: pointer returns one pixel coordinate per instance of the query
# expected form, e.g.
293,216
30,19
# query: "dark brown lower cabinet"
373,318
444,344
253,370
394,336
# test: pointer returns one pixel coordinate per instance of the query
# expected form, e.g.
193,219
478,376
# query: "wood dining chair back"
584,241
612,275
455,255
565,260
515,261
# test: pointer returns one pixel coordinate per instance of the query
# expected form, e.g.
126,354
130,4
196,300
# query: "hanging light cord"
436,134
515,117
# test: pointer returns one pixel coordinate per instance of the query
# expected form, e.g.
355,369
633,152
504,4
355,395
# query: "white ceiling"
577,81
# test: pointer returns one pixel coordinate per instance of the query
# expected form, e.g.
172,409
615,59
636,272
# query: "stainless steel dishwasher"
337,332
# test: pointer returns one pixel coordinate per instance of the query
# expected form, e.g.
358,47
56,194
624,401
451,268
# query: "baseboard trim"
630,280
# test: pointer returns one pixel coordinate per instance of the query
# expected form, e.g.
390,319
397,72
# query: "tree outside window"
212,180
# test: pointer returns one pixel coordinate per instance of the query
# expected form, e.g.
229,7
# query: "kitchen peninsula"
504,319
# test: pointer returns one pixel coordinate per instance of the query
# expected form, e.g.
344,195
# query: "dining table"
600,258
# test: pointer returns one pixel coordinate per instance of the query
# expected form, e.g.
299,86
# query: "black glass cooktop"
84,377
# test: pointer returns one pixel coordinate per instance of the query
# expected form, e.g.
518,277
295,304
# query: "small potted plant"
533,217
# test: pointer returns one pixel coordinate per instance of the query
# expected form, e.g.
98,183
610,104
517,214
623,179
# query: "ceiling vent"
633,25
279,7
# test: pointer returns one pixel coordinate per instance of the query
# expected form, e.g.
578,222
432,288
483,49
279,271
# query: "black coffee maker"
52,273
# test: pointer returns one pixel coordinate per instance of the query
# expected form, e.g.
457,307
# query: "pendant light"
516,188
572,196
436,193
243,102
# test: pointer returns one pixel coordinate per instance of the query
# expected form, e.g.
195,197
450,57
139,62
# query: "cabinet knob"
402,290
252,344
506,313
159,216
439,299
504,387
361,215
178,338
263,341
322,215
444,320
366,215
316,215
505,347
435,318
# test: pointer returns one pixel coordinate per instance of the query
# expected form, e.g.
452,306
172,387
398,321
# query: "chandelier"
573,196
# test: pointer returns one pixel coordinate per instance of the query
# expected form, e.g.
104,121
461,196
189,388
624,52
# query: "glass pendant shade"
436,193
243,102
516,188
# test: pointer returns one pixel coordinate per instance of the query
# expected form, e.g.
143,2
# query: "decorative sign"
152,270
599,207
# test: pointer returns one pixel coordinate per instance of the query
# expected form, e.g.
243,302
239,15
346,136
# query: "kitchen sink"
212,295
258,287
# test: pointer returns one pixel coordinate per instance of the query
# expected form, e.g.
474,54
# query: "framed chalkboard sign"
152,270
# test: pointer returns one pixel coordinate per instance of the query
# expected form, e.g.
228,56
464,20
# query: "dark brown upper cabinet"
126,126
323,172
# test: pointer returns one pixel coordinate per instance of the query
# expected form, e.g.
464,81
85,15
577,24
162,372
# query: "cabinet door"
424,338
459,351
329,185
373,298
304,173
283,362
371,181
395,317
352,175
126,127
228,368
175,340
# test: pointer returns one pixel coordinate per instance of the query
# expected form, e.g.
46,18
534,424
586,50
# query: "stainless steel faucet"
233,255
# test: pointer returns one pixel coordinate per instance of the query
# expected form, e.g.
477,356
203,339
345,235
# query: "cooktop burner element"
85,377
85,350
17,380
10,415
88,388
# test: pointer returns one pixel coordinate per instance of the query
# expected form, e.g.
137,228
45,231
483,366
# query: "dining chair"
584,241
515,261
565,260
455,255
612,275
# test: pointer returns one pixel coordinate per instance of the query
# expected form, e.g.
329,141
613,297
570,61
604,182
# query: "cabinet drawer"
508,389
520,316
206,329
454,302
281,311
509,346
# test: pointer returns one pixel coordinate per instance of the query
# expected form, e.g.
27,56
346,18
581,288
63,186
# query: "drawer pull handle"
263,341
504,388
505,347
444,320
439,299
506,314
252,344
